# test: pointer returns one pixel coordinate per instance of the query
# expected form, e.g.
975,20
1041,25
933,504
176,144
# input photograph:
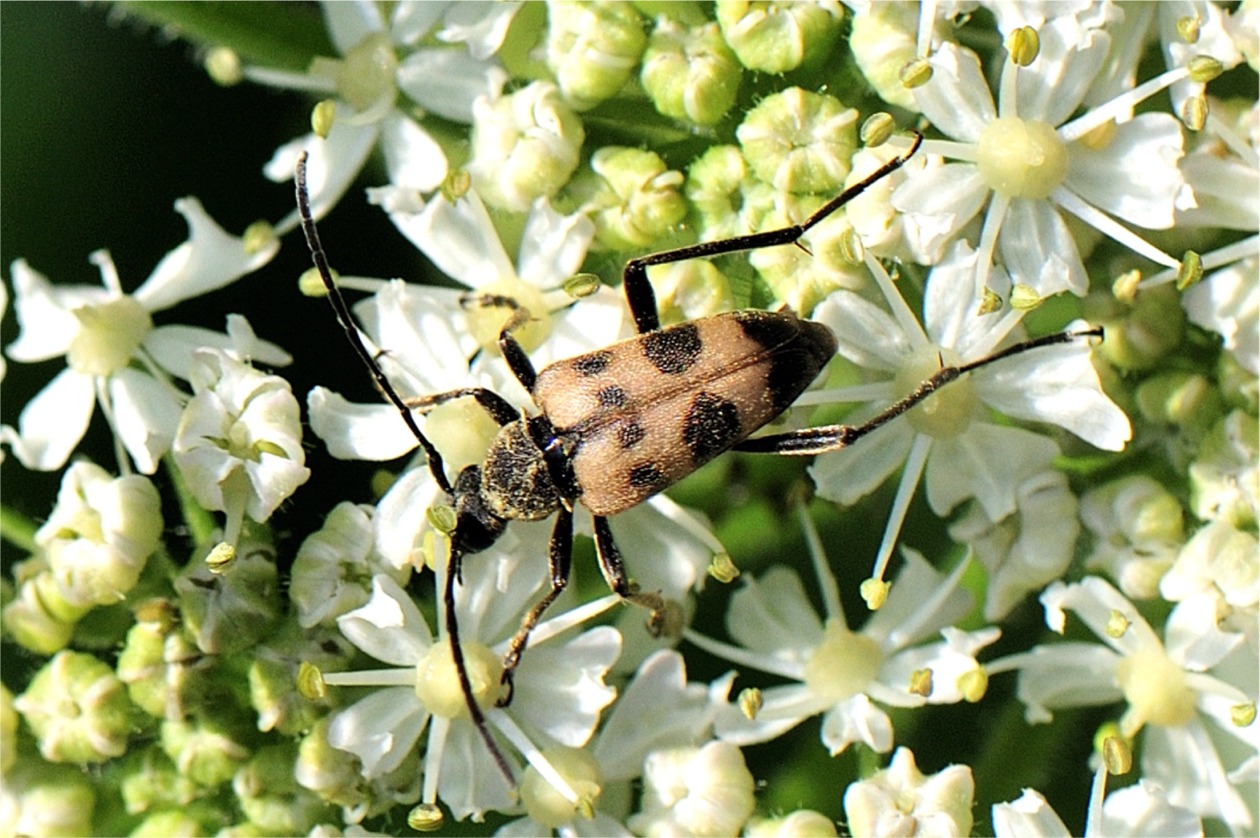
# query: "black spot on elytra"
768,328
612,396
630,434
646,476
673,350
711,426
594,363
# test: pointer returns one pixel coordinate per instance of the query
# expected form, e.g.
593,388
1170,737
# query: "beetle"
608,433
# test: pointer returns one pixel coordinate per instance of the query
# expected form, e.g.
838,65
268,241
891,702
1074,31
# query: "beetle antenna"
461,667
342,311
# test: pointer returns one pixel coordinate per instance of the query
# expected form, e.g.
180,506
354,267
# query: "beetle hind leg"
664,617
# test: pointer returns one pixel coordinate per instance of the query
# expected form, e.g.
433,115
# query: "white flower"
902,800
842,673
657,710
1028,548
1141,810
1227,301
382,62
114,353
333,569
239,444
1028,162
948,439
100,534
705,790
559,688
1137,529
1185,714
1225,475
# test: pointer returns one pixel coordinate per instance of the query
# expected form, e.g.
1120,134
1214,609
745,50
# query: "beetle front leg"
561,560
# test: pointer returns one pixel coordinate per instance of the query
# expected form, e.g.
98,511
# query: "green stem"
17,529
200,522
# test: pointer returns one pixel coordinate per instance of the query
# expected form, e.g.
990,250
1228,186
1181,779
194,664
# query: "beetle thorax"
515,482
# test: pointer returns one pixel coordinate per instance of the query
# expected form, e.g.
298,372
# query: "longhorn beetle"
608,433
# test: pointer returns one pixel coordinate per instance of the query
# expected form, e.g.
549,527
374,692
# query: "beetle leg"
834,437
615,574
561,559
638,289
499,408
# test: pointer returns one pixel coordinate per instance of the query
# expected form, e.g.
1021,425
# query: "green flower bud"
803,277
719,189
690,73
777,37
1148,331
273,671
204,750
150,782
100,534
48,801
36,619
269,795
800,141
803,823
331,773
77,709
1187,400
365,76
170,822
690,290
592,48
884,40
641,202
524,146
1224,477
230,612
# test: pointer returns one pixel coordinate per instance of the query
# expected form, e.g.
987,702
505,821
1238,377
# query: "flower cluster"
238,639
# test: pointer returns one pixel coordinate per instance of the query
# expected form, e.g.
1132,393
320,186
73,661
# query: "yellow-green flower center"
493,306
437,682
109,335
1021,158
366,73
843,664
545,804
947,412
1156,690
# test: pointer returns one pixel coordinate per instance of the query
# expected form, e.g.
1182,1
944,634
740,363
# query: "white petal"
661,554
560,688
1057,384
1193,636
210,259
865,333
956,99
1228,303
146,415
850,474
460,239
413,19
1038,249
358,431
464,79
480,26
380,729
906,619
553,245
348,23
332,166
53,422
400,517
1027,817
388,627
856,719
1184,762
635,727
172,347
1135,177
948,662
413,159
469,782
1052,87
1066,675
939,201
1143,809
44,312
771,615
1096,602
987,462
782,709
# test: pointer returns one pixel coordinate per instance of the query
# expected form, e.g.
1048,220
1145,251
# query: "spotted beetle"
607,434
